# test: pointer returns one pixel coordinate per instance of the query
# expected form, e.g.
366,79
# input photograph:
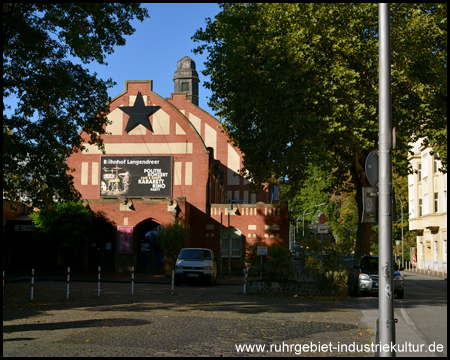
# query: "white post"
173,280
32,284
68,281
245,279
132,280
98,287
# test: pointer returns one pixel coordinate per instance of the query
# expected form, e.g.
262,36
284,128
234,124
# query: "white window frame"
436,202
236,249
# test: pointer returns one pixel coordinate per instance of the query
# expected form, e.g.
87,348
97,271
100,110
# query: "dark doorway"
150,257
102,246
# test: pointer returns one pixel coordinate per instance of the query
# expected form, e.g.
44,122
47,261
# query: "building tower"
186,79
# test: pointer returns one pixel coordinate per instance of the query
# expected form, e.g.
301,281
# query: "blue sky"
153,51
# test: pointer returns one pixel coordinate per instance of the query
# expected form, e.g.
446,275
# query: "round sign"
322,218
372,167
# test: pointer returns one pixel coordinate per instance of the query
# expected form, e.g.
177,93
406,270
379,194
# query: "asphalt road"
425,303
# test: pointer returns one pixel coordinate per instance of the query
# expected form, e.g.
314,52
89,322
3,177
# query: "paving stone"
196,321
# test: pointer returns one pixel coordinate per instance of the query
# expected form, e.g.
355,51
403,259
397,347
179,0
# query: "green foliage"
48,98
276,265
340,209
329,268
297,83
173,237
66,224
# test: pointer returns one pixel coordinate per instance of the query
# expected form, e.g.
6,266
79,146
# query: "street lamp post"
296,223
304,217
401,211
229,235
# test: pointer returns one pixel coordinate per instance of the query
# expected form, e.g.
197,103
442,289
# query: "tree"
296,84
47,97
172,238
67,225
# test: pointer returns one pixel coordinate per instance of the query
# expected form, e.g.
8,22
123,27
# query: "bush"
330,268
172,238
275,266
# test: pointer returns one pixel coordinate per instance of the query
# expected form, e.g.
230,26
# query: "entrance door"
102,246
150,257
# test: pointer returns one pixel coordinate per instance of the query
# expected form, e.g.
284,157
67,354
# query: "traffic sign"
261,250
322,218
372,168
322,229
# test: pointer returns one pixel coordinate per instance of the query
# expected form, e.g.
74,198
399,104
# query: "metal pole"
304,213
132,280
68,283
32,284
229,239
220,254
385,270
401,211
98,282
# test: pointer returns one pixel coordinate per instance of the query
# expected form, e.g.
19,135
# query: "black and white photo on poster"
136,176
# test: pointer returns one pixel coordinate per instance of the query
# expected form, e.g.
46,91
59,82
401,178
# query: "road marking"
411,323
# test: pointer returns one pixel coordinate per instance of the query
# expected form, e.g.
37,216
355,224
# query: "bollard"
32,284
173,280
245,279
132,280
98,287
68,281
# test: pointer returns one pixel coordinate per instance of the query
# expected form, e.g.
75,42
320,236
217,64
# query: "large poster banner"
136,176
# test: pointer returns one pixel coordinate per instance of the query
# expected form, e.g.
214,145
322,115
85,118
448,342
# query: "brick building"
166,158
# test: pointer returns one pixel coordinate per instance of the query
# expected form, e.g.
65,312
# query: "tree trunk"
359,179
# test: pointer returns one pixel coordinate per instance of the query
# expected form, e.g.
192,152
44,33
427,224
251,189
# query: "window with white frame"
236,243
420,207
426,208
425,166
436,202
411,208
436,251
419,168
445,200
435,165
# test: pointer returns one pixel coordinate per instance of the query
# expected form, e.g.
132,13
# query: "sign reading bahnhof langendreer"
136,176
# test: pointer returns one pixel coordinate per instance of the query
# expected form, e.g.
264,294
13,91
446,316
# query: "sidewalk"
405,330
433,273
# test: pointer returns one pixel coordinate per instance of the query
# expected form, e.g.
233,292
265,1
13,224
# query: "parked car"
365,277
196,264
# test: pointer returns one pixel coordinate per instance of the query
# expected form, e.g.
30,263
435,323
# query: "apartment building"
428,208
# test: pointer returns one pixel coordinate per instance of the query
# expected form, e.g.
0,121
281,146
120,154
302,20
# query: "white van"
196,264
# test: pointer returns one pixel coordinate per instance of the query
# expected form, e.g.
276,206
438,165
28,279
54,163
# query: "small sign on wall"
125,240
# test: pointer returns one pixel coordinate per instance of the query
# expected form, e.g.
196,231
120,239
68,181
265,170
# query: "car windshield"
369,264
195,254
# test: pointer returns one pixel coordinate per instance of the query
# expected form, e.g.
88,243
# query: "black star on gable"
139,113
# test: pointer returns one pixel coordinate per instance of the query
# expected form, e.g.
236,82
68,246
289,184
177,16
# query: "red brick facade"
203,182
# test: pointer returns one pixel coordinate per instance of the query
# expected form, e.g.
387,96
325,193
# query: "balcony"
416,224
432,221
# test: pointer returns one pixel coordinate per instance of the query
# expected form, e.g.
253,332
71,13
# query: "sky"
156,46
